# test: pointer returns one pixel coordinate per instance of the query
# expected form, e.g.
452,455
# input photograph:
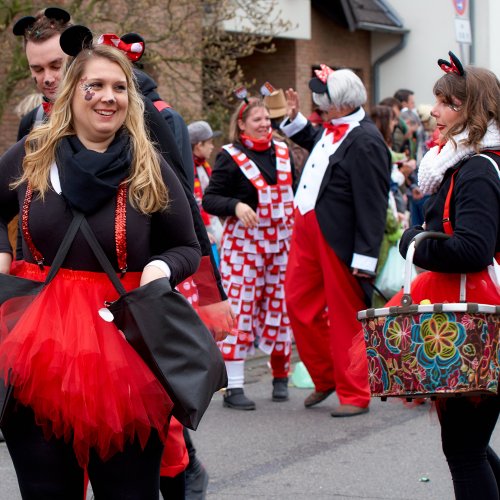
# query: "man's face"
410,103
46,60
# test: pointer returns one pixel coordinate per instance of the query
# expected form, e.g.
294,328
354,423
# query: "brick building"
335,32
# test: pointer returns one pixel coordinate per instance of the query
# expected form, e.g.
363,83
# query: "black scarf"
88,178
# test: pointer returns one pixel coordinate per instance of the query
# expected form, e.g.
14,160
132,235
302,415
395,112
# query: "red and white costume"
253,263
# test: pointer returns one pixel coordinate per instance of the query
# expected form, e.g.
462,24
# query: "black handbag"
12,287
165,330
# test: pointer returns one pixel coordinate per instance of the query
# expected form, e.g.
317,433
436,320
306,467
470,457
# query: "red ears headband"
452,66
78,37
318,84
132,44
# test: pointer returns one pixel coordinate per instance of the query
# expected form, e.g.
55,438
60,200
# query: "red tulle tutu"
445,287
77,372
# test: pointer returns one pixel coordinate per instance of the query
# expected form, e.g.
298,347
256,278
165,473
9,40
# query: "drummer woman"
251,185
463,168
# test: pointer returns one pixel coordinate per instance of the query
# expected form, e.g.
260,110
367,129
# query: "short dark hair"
402,95
391,102
44,28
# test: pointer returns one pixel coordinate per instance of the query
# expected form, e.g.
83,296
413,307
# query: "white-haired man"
341,204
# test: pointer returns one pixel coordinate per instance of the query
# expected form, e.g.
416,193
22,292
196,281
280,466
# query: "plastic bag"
391,279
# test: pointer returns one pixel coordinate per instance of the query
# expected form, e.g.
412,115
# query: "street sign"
462,31
460,6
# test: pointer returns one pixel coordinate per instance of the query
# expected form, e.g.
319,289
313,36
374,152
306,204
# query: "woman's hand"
292,104
219,318
5,262
246,214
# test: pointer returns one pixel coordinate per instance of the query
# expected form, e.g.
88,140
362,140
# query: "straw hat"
276,104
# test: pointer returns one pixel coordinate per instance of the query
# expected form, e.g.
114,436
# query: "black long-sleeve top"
474,215
168,236
228,185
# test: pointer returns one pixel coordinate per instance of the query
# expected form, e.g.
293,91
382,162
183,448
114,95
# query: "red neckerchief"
198,191
202,162
262,144
47,107
337,131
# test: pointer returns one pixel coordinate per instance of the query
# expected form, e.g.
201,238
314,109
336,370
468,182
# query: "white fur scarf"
434,165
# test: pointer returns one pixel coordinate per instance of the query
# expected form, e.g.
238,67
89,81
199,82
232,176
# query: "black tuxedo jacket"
352,202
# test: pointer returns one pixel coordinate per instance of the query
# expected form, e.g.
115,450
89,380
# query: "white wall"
297,12
432,35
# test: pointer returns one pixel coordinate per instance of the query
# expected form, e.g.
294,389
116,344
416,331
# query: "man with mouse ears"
45,57
340,214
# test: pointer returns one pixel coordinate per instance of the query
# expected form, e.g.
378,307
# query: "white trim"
54,178
294,127
364,262
162,266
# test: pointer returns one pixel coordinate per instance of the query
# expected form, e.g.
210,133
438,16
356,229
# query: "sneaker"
280,389
196,481
236,399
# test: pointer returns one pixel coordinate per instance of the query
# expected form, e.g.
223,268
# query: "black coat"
228,185
474,216
352,202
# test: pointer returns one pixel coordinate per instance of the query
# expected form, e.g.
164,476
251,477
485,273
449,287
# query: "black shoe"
236,399
196,480
280,389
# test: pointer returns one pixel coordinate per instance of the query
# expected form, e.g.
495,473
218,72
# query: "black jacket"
228,185
352,202
474,216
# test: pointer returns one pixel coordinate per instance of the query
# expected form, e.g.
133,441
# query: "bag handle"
64,248
406,299
100,255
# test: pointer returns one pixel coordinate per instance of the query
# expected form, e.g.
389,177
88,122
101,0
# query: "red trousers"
322,300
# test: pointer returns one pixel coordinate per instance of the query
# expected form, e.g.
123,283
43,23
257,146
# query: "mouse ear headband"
26,23
241,93
74,39
452,66
132,44
318,84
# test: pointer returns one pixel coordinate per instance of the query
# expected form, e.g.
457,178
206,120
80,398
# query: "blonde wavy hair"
146,189
479,93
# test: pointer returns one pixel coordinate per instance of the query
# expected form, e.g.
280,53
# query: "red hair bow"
323,73
133,51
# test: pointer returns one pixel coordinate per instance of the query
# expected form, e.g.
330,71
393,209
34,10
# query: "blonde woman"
84,397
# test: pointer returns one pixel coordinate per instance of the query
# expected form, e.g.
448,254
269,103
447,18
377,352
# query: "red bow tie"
47,107
338,131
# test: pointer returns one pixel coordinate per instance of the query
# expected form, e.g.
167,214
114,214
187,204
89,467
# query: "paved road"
282,451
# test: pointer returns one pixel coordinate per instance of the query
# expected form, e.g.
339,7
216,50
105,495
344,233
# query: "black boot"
236,399
280,389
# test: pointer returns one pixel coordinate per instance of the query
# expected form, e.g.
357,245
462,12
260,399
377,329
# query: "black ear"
74,39
457,63
23,24
445,63
57,14
134,38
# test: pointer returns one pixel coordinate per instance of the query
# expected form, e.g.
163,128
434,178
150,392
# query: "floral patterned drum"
432,350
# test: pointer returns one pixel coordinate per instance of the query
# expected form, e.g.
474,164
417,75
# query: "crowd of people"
280,242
